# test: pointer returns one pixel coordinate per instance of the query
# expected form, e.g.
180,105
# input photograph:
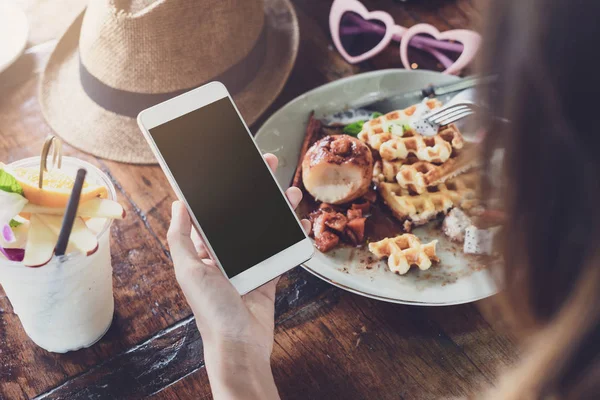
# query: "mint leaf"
9,184
354,128
376,115
14,224
406,128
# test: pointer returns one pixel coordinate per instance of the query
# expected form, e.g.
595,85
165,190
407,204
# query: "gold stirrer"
51,143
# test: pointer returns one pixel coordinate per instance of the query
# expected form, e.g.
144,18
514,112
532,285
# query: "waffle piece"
403,251
421,174
435,149
391,135
467,159
377,172
416,177
418,209
379,130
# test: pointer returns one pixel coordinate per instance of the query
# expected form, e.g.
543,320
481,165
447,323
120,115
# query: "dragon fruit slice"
479,241
418,123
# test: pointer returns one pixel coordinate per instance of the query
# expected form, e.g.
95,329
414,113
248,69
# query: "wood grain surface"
330,344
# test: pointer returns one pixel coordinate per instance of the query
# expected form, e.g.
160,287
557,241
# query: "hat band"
130,104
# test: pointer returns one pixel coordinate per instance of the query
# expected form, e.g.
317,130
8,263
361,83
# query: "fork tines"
452,113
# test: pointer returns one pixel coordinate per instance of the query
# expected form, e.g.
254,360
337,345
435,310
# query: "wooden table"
328,343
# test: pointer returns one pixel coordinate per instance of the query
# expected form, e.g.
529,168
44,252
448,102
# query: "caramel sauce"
381,223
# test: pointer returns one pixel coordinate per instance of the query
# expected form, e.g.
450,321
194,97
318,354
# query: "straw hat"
121,56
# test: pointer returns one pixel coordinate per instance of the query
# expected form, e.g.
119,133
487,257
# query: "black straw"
70,213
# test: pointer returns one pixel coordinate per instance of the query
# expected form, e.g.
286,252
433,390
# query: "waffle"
418,209
421,174
403,251
434,149
386,171
416,177
390,136
379,130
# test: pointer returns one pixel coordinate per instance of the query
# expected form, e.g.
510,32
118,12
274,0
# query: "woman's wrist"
239,370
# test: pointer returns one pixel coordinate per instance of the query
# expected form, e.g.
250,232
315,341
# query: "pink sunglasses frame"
470,40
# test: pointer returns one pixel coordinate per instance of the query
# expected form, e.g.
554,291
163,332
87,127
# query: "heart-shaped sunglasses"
359,34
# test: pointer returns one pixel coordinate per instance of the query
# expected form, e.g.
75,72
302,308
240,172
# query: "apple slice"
81,237
101,208
94,208
41,241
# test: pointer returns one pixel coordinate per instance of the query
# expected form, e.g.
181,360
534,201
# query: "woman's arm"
239,372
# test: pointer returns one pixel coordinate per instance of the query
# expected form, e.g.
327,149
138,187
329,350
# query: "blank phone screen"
228,186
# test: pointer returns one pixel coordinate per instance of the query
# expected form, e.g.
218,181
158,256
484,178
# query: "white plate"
14,30
457,279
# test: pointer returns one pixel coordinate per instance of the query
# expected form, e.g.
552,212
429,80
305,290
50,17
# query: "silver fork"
452,113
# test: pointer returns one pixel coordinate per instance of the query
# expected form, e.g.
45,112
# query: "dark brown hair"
546,55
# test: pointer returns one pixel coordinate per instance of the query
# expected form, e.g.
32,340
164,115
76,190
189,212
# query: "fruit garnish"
41,241
57,186
13,254
94,208
8,183
17,236
7,234
11,204
42,210
354,128
81,237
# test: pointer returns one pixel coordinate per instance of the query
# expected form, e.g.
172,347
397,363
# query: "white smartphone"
212,162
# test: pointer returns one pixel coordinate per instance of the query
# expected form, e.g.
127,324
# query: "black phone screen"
227,185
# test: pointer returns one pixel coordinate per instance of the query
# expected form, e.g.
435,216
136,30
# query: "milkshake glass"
67,304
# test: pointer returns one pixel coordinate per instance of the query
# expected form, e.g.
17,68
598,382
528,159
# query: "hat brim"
85,125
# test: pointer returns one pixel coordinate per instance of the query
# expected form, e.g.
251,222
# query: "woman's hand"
237,331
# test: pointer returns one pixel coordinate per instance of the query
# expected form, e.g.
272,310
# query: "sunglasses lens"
426,52
359,35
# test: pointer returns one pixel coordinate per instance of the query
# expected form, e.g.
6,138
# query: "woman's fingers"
306,225
272,161
294,196
182,248
209,261
199,244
